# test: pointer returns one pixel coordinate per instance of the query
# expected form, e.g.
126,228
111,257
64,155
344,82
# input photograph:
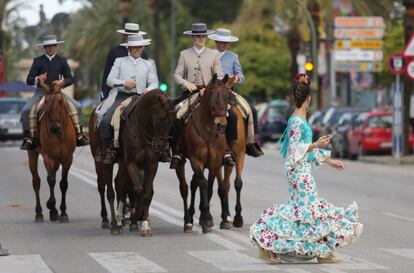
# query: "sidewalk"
387,160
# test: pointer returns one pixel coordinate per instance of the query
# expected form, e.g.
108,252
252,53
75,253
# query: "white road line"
86,173
397,216
407,253
84,179
228,260
295,270
125,262
23,264
351,263
333,270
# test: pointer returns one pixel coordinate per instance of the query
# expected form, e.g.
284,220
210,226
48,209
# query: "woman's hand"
323,141
335,164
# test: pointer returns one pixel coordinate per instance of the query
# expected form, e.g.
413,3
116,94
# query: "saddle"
128,109
186,107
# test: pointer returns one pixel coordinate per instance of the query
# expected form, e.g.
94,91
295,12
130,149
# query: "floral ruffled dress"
306,225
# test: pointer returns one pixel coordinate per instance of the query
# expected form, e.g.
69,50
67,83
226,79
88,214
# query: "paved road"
384,194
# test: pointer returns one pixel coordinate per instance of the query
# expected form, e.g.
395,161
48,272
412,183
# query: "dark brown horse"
57,143
142,137
104,174
203,142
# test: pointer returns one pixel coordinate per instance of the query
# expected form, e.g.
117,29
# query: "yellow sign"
363,44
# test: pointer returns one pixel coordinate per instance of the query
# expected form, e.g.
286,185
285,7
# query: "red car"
371,132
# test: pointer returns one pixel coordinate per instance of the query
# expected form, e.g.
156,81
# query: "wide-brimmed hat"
223,35
199,29
130,29
50,40
136,40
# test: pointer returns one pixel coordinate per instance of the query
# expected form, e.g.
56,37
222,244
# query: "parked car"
10,126
315,122
273,120
339,142
371,132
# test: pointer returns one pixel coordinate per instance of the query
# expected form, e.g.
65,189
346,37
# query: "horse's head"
159,110
219,96
54,103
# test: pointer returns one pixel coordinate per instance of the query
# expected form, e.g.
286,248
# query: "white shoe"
330,259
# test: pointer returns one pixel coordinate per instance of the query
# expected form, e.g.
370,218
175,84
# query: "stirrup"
176,161
228,160
81,140
28,144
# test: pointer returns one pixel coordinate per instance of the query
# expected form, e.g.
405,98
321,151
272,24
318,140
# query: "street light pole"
314,44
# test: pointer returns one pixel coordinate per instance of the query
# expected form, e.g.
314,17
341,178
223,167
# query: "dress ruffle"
313,230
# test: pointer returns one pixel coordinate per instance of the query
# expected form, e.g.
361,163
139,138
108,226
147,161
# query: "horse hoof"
146,233
39,218
133,227
53,216
206,229
188,228
115,231
63,219
105,225
238,221
225,225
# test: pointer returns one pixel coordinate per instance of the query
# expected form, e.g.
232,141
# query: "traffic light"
163,87
309,66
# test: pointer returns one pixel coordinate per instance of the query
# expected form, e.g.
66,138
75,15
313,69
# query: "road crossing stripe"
125,262
23,264
295,270
407,253
351,263
230,260
398,216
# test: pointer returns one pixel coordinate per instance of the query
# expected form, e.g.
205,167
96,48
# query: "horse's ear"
214,78
226,77
230,82
44,86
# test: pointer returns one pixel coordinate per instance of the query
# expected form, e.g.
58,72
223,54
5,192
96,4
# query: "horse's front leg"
223,192
150,172
63,188
33,159
238,185
51,180
110,195
188,219
205,215
101,189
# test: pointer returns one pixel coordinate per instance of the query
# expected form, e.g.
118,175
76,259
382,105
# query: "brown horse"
142,137
57,143
203,142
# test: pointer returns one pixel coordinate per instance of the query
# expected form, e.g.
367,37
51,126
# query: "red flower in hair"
300,76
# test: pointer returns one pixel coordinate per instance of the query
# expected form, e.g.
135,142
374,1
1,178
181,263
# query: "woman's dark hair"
301,89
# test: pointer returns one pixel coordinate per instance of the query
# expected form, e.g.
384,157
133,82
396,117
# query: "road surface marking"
230,260
407,253
398,216
125,262
351,263
23,264
295,270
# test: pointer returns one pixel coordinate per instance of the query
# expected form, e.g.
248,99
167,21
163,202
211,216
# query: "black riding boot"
177,157
29,142
111,154
231,135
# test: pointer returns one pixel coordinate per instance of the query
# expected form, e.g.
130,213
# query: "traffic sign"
358,66
409,47
363,44
359,33
396,63
359,21
409,71
358,55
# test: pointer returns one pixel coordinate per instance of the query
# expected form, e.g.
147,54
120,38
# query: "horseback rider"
49,67
117,52
231,66
196,67
129,76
